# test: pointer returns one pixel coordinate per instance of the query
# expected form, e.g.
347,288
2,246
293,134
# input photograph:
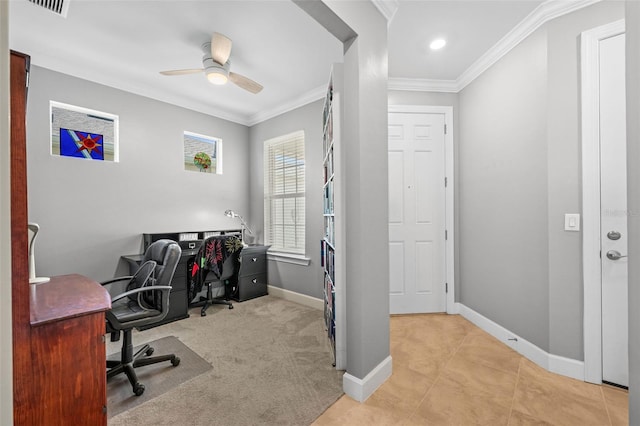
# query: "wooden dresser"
59,368
68,360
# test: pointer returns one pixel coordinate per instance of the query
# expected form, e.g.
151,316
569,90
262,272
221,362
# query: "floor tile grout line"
606,406
438,376
515,389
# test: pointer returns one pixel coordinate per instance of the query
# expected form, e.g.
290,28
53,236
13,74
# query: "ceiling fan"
216,64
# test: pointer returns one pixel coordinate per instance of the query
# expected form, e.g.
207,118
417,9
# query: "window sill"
296,259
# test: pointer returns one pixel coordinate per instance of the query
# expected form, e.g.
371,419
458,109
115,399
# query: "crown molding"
388,8
422,85
547,11
299,101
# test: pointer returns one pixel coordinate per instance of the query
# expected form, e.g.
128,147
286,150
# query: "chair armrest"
164,288
115,280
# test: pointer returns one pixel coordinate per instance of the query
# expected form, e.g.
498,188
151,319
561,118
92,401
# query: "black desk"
252,280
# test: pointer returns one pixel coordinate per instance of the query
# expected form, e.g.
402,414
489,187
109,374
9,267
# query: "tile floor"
446,371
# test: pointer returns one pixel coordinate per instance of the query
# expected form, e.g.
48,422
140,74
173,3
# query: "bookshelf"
333,242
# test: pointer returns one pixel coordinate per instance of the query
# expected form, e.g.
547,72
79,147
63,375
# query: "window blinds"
284,196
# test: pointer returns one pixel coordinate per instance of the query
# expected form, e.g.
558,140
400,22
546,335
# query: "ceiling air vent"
59,7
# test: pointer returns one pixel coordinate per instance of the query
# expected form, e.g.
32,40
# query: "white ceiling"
124,44
470,28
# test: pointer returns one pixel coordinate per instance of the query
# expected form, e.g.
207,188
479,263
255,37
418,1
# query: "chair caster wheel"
175,362
138,389
230,306
203,314
149,351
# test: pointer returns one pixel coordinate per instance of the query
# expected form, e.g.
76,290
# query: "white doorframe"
591,267
449,204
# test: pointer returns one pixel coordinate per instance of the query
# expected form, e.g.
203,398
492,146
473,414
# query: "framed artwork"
79,132
202,153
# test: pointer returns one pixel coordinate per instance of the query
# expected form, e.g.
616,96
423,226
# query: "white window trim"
276,254
296,259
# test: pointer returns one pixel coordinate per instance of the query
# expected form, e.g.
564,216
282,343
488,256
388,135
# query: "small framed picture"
202,153
84,133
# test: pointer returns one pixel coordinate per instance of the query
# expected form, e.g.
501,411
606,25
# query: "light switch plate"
572,222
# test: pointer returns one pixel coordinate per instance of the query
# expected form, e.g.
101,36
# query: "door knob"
614,255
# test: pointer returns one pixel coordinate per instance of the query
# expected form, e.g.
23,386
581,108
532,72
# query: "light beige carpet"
271,366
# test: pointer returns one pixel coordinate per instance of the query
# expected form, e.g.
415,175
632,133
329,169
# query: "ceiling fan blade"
220,48
182,72
245,83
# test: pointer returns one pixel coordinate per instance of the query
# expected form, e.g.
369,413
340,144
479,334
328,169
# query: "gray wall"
301,279
407,97
365,160
519,167
633,190
566,296
503,192
90,213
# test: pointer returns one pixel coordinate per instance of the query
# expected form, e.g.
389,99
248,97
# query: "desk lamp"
243,224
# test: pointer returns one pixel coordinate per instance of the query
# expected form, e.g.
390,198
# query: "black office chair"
216,262
141,299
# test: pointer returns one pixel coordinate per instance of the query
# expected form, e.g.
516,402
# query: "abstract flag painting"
74,143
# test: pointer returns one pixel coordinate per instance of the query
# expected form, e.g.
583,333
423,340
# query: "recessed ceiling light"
437,44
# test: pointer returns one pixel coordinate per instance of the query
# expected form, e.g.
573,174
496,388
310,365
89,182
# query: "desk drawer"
182,268
253,263
251,286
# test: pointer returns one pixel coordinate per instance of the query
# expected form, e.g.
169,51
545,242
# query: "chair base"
205,302
129,362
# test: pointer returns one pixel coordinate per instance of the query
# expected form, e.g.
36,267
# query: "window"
202,153
83,133
284,198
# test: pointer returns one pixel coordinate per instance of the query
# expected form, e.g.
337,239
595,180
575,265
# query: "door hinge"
446,234
27,80
445,129
446,287
445,182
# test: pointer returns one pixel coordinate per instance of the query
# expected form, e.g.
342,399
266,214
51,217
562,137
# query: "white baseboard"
302,299
553,363
361,389
567,367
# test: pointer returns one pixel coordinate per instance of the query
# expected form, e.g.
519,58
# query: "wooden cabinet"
68,356
58,327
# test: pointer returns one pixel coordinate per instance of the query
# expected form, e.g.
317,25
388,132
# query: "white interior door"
613,217
416,213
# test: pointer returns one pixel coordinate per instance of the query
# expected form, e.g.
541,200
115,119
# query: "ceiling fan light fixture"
217,76
216,73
